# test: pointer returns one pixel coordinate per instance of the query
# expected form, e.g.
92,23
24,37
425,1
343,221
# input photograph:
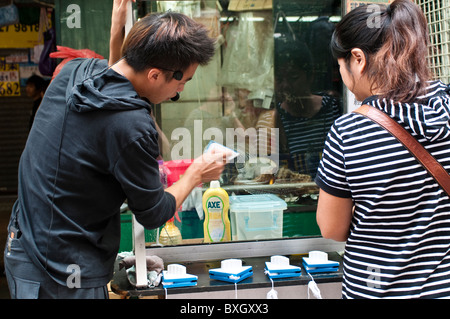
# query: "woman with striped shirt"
374,194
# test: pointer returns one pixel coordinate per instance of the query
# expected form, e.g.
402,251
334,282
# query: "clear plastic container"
256,216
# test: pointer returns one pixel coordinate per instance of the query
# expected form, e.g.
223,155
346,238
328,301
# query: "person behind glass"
247,114
94,145
303,116
374,194
35,89
208,118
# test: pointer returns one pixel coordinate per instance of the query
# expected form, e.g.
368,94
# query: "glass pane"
271,92
307,84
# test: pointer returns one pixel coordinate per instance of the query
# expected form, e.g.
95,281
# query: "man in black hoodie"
93,145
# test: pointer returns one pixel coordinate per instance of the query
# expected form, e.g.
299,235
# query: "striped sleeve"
331,172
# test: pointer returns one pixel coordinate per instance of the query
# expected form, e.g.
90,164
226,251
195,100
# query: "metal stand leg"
138,229
139,253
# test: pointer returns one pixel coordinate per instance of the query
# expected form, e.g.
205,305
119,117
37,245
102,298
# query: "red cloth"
68,54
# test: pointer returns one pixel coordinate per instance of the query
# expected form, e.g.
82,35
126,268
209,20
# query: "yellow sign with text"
19,36
9,79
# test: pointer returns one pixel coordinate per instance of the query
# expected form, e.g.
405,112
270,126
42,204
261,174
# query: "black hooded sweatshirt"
93,144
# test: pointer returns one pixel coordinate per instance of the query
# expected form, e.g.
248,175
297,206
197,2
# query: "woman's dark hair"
394,40
170,41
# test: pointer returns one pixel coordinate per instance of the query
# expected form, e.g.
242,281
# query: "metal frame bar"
437,13
219,251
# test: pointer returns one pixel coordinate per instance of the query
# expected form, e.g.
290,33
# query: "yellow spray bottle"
216,226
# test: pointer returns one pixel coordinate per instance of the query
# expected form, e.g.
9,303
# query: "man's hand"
203,169
210,165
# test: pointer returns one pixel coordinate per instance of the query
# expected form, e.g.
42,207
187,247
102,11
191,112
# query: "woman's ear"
359,59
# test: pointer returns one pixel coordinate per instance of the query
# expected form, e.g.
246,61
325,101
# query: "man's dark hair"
38,82
170,41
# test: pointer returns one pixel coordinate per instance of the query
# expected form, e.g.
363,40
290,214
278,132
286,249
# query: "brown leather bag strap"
422,155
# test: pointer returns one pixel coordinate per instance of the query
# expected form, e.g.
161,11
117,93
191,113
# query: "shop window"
271,92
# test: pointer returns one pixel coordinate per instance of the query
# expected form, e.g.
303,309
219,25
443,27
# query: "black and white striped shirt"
399,242
305,137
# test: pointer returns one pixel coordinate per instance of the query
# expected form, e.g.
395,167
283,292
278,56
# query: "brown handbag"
420,153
